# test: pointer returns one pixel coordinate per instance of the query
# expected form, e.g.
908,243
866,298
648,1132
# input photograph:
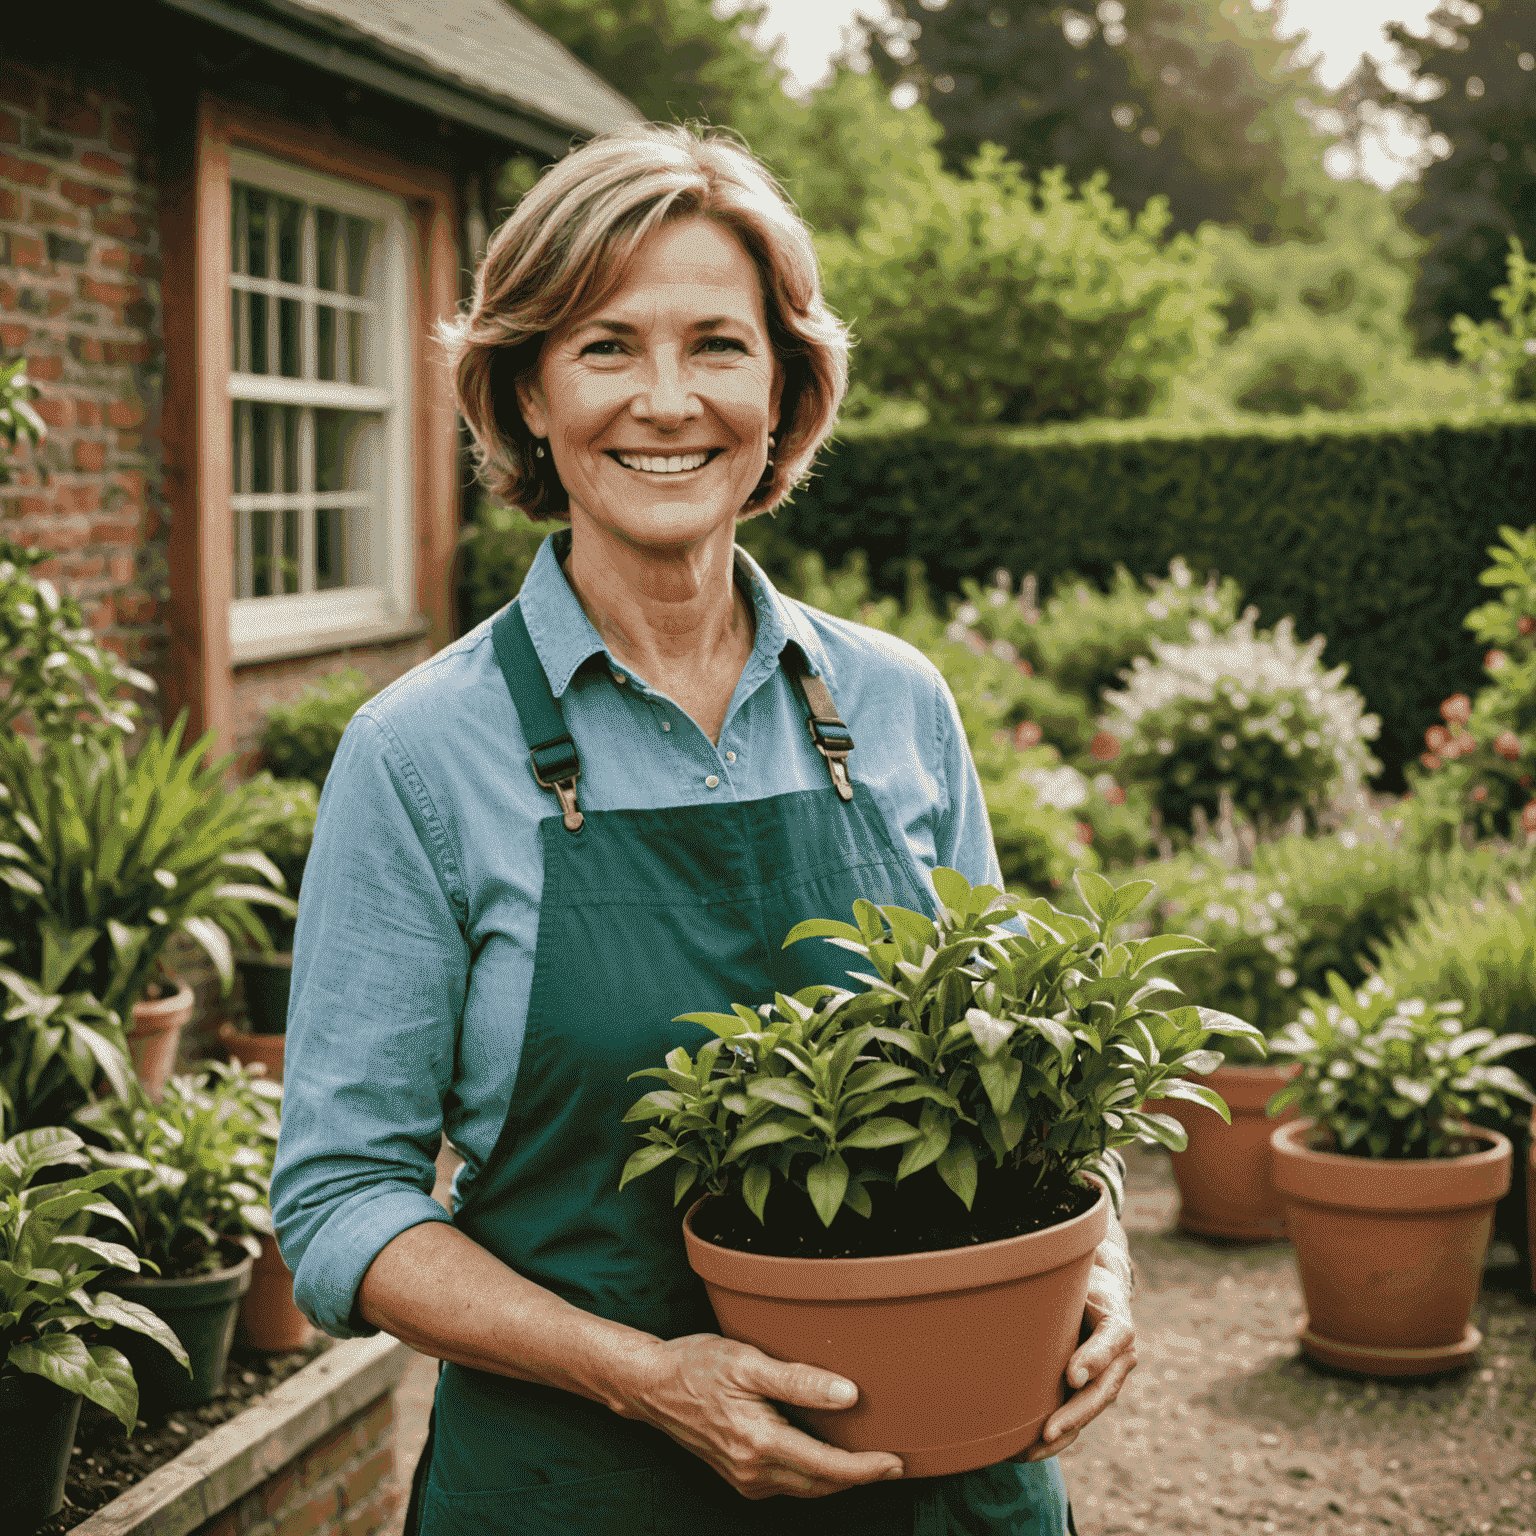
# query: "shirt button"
712,782
666,725
619,678
730,757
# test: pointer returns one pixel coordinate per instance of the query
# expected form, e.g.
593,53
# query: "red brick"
135,608
377,1419
377,1469
83,193
70,114
88,413
10,205
131,353
29,173
15,337
86,349
103,165
45,368
280,1489
124,137
125,413
115,256
85,497
143,265
309,1518
120,568
90,457
41,211
115,532
325,1458
372,1517
10,128
26,252
56,412
61,537
120,226
227,1524
19,86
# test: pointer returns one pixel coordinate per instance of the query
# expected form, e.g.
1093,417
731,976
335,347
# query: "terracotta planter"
37,1430
1391,1252
200,1310
266,979
958,1355
249,1049
1530,1200
268,1318
1225,1189
155,1034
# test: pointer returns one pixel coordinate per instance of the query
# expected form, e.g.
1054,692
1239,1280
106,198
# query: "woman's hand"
1098,1369
716,1397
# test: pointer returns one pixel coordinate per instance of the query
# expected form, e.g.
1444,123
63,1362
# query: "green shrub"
1367,530
300,739
283,813
498,549
1248,715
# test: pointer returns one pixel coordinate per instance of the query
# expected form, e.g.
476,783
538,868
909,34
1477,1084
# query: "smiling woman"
491,943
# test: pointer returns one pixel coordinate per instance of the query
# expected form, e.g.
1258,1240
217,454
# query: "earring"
538,451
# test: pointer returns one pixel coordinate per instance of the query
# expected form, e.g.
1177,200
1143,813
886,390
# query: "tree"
1472,81
1188,98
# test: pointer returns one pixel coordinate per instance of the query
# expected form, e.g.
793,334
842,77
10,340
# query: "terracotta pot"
266,979
249,1049
1225,1189
958,1355
268,1318
1390,1251
156,1032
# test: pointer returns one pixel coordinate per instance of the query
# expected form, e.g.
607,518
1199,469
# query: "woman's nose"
666,397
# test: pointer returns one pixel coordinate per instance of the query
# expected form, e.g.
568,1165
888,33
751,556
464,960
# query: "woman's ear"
531,402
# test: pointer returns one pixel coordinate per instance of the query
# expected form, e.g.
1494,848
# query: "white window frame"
263,628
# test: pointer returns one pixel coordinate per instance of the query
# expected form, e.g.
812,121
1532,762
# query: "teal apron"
647,914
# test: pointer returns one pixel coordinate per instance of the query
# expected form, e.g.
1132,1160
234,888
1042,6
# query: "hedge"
1370,531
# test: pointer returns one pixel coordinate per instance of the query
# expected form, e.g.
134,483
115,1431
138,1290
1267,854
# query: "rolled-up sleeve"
380,972
963,834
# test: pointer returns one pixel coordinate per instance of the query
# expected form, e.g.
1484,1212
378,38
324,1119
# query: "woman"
599,811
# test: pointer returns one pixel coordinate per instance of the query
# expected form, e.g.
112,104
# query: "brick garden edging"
314,1457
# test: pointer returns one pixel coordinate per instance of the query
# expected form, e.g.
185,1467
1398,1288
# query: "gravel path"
1224,1428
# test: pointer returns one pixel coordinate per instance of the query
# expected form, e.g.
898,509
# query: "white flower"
1064,787
1228,742
968,613
1164,746
1286,977
1157,608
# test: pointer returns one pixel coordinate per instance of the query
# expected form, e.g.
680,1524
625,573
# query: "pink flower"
1105,746
1437,738
1026,734
1494,660
1526,624
1024,667
1507,745
1429,760
1528,817
1457,709
1115,795
1480,793
1084,833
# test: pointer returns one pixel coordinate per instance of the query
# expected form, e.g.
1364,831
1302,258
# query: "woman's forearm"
443,1294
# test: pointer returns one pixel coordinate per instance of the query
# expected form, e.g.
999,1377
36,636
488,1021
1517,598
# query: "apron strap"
556,764
832,737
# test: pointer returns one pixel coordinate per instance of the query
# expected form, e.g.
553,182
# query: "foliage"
48,1270
498,551
1394,1079
105,856
1067,305
196,1166
299,740
1250,715
19,421
1036,1048
1478,763
58,683
1368,531
1502,352
282,826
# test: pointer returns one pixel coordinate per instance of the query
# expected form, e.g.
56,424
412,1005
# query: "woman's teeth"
674,465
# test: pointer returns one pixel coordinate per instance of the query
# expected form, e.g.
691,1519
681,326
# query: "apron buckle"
835,751
565,791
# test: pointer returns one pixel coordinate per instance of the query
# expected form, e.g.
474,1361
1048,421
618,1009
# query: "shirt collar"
564,637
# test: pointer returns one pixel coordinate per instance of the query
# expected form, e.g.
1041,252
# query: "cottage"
227,228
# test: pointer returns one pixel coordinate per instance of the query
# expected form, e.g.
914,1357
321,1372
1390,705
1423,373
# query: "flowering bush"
1479,760
1252,714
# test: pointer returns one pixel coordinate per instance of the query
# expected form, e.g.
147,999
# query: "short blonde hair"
565,249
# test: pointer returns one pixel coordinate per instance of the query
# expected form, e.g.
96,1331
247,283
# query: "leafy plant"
283,813
196,1166
300,739
1502,352
55,681
1394,1079
49,1306
1251,715
105,856
498,549
972,1041
19,421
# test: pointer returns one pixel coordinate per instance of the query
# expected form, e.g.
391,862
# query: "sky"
1339,31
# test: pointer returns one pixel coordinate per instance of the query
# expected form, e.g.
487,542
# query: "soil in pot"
958,1353
1225,1187
156,1033
1390,1251
37,1430
201,1311
266,979
920,1215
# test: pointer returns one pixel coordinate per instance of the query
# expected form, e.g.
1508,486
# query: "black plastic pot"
201,1311
266,979
37,1429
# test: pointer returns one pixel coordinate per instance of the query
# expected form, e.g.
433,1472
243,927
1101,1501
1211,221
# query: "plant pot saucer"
1380,1360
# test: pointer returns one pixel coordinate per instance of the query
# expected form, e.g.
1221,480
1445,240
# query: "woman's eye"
606,348
723,344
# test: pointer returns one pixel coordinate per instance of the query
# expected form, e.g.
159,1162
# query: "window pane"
256,233
261,448
261,554
288,338
290,223
354,347
325,341
330,548
290,448
327,227
359,233
256,333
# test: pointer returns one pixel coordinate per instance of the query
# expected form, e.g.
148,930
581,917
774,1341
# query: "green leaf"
1214,1022
1163,1129
114,1386
886,1131
658,1102
104,1307
856,1198
31,1151
766,1133
1160,947
644,1160
1000,1077
755,1186
824,928
912,926
783,1092
1194,1093
990,1034
952,888
871,924
1097,893
687,1174
935,1127
1126,899
957,1167
826,1182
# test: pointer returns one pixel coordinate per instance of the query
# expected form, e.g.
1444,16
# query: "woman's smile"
664,464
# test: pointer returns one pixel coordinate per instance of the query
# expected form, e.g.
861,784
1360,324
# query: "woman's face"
658,405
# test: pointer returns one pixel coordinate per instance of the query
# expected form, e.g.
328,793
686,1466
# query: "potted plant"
282,815
1389,1190
194,1192
930,1159
49,1309
106,855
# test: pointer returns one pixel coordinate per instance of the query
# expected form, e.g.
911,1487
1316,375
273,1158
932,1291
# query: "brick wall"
343,1485
80,300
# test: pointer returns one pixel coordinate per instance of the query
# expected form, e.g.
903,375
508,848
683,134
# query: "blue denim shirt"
413,961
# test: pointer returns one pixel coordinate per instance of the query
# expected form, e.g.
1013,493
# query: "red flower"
1084,833
1429,760
1507,745
1115,795
1480,793
1526,624
1026,734
1437,738
1494,660
1105,746
1528,817
1025,667
1457,709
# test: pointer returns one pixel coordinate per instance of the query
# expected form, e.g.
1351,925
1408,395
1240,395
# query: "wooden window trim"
199,673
